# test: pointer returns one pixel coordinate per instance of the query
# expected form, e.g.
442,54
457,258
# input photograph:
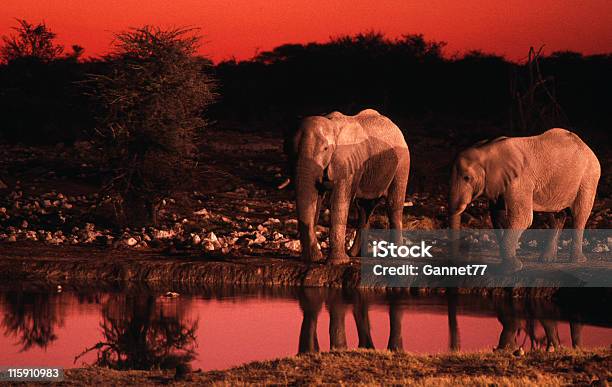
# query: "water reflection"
519,320
140,332
140,329
31,318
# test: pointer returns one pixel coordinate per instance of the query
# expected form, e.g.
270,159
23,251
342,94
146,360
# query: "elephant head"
483,170
325,149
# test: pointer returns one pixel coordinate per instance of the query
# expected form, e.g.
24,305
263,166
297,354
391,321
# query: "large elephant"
362,159
548,173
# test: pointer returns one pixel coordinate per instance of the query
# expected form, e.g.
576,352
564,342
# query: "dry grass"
364,367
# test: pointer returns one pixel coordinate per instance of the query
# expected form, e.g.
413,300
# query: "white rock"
293,245
195,239
131,241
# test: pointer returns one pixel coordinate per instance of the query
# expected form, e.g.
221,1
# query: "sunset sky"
239,28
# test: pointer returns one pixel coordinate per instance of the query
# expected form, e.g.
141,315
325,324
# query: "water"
216,329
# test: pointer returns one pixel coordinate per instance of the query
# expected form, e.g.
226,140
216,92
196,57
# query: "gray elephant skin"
357,159
519,175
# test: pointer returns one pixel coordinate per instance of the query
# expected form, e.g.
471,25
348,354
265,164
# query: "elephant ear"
503,163
350,148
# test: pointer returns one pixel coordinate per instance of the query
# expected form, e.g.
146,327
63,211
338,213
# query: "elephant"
519,175
357,159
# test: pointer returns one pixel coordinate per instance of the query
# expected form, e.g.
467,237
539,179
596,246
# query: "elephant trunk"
308,175
456,205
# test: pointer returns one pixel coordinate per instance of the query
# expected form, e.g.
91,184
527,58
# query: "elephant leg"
581,209
557,221
362,321
520,216
396,342
499,220
365,208
396,195
320,201
340,203
311,301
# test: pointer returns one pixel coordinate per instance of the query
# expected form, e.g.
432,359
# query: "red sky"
241,27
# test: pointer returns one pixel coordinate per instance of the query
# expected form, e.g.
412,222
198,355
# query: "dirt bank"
381,367
81,266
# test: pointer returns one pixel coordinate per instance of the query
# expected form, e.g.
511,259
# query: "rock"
24,224
12,238
131,241
195,239
211,237
259,239
171,295
293,245
163,234
209,246
202,212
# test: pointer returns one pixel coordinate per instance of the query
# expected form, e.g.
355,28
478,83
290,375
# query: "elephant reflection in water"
32,318
337,302
509,315
143,333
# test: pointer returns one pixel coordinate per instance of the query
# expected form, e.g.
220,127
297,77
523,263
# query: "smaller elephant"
519,175
357,159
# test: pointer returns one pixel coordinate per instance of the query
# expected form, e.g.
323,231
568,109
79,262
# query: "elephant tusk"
284,184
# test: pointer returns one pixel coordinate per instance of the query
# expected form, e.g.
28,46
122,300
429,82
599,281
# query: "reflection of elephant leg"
362,320
510,327
396,342
311,301
576,333
337,331
365,209
453,327
556,223
552,334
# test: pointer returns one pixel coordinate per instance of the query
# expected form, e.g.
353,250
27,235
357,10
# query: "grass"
368,367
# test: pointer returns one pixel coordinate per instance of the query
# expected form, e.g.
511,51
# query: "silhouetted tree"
40,101
152,99
31,41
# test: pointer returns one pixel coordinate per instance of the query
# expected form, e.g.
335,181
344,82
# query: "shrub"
152,97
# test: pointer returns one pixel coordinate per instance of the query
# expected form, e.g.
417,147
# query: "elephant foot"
548,257
578,257
354,251
510,265
313,256
338,259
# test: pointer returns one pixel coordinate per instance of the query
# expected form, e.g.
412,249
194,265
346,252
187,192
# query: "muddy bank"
383,368
100,267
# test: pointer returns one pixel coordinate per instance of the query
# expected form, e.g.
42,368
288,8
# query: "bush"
152,96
